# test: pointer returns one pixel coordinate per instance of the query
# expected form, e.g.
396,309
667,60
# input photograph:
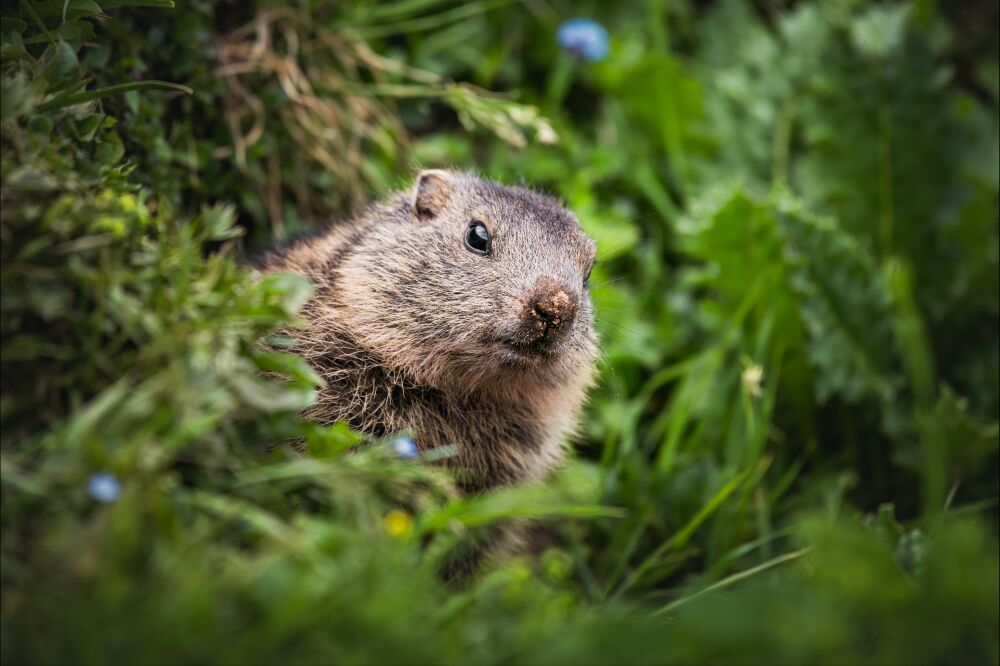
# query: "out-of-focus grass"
792,455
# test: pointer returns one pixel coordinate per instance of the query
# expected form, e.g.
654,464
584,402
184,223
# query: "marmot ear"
430,193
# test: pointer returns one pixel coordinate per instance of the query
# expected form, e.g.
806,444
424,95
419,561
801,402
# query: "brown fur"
413,332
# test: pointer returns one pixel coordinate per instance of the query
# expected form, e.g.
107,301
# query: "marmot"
457,311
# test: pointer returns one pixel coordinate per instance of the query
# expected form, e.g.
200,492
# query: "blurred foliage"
792,455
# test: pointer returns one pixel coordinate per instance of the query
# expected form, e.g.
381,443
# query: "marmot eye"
477,238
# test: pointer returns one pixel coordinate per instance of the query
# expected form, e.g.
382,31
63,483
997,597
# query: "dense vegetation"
792,454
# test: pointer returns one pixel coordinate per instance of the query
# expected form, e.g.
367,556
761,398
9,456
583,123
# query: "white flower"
522,115
752,377
545,134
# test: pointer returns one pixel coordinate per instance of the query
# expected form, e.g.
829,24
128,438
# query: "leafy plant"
794,443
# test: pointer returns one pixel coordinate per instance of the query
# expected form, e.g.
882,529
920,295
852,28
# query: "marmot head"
470,284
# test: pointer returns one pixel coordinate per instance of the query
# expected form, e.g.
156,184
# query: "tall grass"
792,453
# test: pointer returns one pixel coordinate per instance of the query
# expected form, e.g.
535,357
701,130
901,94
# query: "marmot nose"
552,309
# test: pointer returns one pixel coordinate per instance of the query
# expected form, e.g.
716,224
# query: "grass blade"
90,95
735,578
685,533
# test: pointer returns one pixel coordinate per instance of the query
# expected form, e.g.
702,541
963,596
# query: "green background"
791,456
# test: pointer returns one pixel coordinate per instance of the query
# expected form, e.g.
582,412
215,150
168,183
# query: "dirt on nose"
555,308
550,309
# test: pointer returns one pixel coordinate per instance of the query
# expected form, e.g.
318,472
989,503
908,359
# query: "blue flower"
584,38
104,487
404,447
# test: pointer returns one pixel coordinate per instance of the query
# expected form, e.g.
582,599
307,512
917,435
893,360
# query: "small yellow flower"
752,377
397,523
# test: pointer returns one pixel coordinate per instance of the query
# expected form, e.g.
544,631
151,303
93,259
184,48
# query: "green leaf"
822,289
68,8
270,396
85,128
10,24
289,365
91,95
110,150
880,30
17,96
844,303
331,441
614,233
292,290
29,8
40,125
219,223
966,441
158,4
510,503
61,63
662,98
76,33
